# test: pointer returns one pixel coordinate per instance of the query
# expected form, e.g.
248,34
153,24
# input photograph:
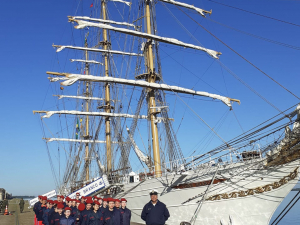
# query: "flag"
91,5
77,128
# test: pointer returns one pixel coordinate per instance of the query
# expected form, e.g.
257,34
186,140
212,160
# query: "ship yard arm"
127,3
201,11
72,78
83,24
62,47
101,20
73,112
86,61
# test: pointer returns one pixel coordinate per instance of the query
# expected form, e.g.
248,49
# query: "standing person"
125,212
36,208
82,200
77,196
55,219
155,212
94,218
104,205
117,203
21,204
47,213
79,208
41,210
100,201
4,204
112,216
67,219
84,214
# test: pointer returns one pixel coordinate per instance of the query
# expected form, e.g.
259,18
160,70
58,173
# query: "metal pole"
151,96
107,96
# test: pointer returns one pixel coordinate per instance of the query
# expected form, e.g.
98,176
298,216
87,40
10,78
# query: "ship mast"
107,94
151,95
87,171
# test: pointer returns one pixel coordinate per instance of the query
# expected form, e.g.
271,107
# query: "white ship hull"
255,205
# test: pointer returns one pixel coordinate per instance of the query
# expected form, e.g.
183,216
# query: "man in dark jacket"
125,212
155,212
111,216
36,207
21,204
47,213
84,214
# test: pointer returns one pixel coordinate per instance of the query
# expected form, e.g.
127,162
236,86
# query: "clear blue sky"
29,28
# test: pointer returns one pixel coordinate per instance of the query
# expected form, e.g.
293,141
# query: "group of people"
95,211
81,211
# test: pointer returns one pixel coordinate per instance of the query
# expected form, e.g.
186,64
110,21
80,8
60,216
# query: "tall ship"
123,125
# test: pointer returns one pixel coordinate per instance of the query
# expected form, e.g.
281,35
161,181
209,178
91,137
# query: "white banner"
49,195
95,186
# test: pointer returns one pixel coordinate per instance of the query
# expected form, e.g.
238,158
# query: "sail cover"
73,112
102,21
201,11
84,98
61,47
127,3
86,61
72,78
78,140
82,24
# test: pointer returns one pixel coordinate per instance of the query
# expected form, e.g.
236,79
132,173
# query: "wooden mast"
151,95
87,172
107,95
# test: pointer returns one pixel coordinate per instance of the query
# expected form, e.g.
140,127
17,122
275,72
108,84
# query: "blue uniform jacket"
36,207
46,216
40,213
94,218
76,216
74,211
83,216
112,217
126,214
67,221
102,209
155,215
55,219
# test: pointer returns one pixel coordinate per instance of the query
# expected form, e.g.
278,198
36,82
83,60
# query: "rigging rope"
257,14
285,209
256,36
240,55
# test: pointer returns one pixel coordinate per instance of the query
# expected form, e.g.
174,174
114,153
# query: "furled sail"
77,140
82,24
139,153
61,47
73,112
127,3
82,97
74,140
201,11
101,20
72,78
85,61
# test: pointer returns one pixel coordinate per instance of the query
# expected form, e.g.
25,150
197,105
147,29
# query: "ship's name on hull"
198,184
